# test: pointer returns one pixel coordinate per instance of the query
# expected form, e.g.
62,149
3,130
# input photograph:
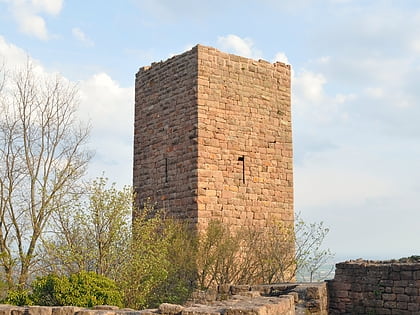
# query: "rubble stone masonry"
375,287
213,138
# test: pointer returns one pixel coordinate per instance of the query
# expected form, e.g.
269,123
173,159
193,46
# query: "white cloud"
16,58
107,103
415,45
240,46
52,7
281,57
32,25
312,103
310,86
324,60
28,15
375,92
110,108
81,36
11,53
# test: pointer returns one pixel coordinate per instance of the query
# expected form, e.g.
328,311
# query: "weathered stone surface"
65,310
149,312
387,287
94,312
105,307
170,309
201,310
213,138
6,309
238,289
38,310
239,304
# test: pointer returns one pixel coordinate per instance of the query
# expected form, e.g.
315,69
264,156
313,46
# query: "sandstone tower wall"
213,138
165,135
244,140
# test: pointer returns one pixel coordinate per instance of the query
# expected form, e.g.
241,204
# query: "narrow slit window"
242,159
166,170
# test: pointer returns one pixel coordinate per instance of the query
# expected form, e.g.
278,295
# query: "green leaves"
85,289
161,265
18,297
91,234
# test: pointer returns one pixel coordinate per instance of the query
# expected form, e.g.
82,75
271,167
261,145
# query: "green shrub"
18,297
160,265
85,289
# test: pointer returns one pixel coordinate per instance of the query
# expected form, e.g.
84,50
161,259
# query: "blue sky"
356,70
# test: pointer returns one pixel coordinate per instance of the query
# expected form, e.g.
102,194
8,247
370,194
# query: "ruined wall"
213,138
308,298
277,299
364,287
239,305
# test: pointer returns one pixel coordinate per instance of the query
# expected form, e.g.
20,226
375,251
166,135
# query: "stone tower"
213,138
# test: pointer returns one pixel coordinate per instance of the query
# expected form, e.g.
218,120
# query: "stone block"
416,275
341,294
38,310
313,292
390,304
402,305
105,307
413,307
6,309
65,310
412,291
402,298
389,297
398,290
406,275
238,289
170,309
203,310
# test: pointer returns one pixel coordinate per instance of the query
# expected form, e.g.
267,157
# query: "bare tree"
42,158
310,254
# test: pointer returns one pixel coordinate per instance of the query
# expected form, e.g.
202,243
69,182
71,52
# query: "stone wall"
278,299
165,135
308,298
368,287
245,174
213,138
238,306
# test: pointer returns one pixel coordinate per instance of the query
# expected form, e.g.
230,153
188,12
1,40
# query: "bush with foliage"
18,297
158,259
161,265
91,234
85,289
